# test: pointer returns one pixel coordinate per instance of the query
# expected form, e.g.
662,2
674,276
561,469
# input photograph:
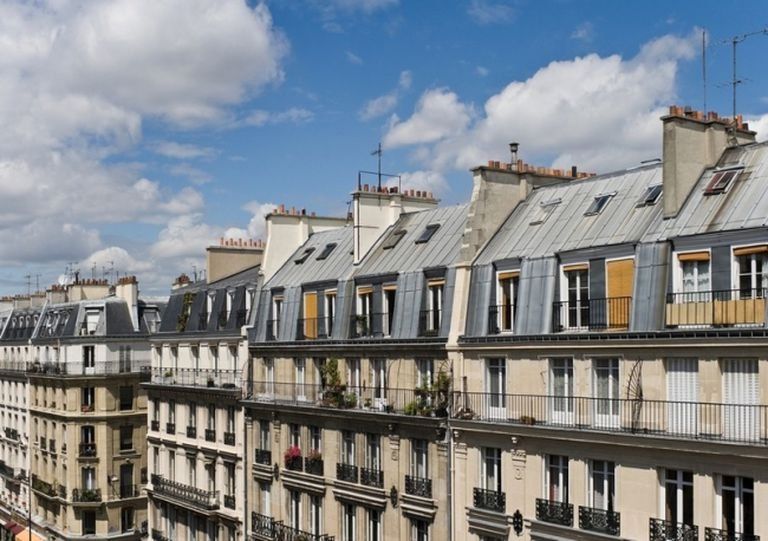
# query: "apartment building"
612,375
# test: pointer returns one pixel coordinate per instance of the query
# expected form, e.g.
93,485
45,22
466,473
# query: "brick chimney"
694,141
374,209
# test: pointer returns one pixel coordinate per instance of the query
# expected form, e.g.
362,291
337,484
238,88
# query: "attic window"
598,204
543,211
326,251
721,180
651,196
393,239
427,233
303,257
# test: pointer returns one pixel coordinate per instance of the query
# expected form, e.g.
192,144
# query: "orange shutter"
693,256
749,250
310,315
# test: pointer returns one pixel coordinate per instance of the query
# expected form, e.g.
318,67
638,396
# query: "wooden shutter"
620,275
740,393
310,315
682,394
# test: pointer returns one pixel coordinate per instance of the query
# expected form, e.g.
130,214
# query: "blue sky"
137,131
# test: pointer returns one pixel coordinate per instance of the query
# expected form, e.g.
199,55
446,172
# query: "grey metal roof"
441,250
744,205
67,319
337,266
567,228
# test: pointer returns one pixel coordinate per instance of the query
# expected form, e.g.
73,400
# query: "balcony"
43,487
592,314
79,368
492,500
316,328
710,421
418,486
157,535
371,477
206,500
554,512
262,456
366,325
293,461
86,495
663,530
599,520
127,491
229,501
193,377
87,449
11,433
154,426
346,472
191,431
713,534
314,466
170,428
264,528
716,308
210,434
429,323
501,318
229,438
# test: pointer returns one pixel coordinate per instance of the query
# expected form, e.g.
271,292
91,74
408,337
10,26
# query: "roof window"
651,196
427,233
598,204
303,257
721,181
326,251
543,211
393,239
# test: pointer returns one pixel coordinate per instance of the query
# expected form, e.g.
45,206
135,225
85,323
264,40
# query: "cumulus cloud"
760,125
117,258
179,151
431,181
485,12
191,173
294,115
385,103
597,112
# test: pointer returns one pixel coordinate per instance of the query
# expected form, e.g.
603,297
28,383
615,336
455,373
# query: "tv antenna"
734,41
378,152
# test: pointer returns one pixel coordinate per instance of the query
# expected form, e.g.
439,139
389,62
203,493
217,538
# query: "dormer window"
393,239
326,251
721,181
427,233
303,257
651,196
598,204
543,211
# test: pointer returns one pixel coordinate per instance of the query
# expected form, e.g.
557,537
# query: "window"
88,478
427,234
419,530
598,204
393,239
602,485
491,469
91,321
374,525
326,251
364,310
650,196
229,489
303,257
87,398
576,295
316,515
543,211
192,421
378,381
266,498
388,294
88,522
330,311
126,397
231,419
269,375
506,297
277,311
126,438
694,275
561,389
424,372
606,390
557,478
172,411
295,435
192,470
678,496
420,458
721,181
211,417
89,357
348,448
372,452
752,272
299,377
349,522
434,305
316,438
126,519
737,503
264,442
353,375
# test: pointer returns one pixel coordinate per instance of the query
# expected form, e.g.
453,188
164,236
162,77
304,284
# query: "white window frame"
496,399
677,272
564,296
679,483
608,472
513,286
739,491
561,464
491,456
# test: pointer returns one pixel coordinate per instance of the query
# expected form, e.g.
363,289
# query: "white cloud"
485,12
584,32
352,58
184,236
191,173
760,125
439,114
482,71
294,115
431,181
385,103
596,112
179,151
45,240
366,6
114,257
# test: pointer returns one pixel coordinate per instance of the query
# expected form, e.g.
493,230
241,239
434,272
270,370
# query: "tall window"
561,389
419,530
126,397
602,483
353,375
434,305
606,390
374,525
364,311
192,470
491,469
737,503
316,438
211,416
420,458
372,452
695,274
678,496
495,385
330,311
172,411
577,295
269,375
378,379
126,438
753,275
295,435
265,502
300,376
192,415
349,526
88,478
264,443
316,515
295,501
388,297
88,522
424,368
348,447
89,356
507,300
277,312
557,478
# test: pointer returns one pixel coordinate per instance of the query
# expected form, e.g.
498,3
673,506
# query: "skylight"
721,181
326,251
598,204
303,257
651,196
427,233
393,239
544,210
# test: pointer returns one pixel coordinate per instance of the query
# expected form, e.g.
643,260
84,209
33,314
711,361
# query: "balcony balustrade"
79,368
599,520
191,431
664,530
314,466
210,434
610,313
170,428
418,486
229,501
372,477
154,426
229,438
264,528
86,495
716,308
206,500
429,323
197,377
554,512
88,449
714,534
492,500
316,328
346,472
501,318
262,456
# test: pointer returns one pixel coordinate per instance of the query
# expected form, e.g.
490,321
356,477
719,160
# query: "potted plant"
292,458
350,400
527,420
210,381
314,462
367,403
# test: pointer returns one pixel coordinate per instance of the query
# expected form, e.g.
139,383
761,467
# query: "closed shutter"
310,316
682,394
741,395
620,280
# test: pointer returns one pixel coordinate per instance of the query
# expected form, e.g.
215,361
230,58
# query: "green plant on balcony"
334,392
186,307
314,457
350,400
361,325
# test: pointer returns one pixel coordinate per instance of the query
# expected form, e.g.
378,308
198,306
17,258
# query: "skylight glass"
543,211
427,233
303,257
598,204
326,251
721,181
393,239
651,196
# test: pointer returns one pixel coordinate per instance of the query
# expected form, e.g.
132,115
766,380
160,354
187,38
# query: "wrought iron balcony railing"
86,495
429,322
315,328
716,308
229,501
262,456
742,423
154,425
191,431
157,535
88,449
229,438
610,313
554,512
664,530
599,520
210,434
492,500
197,377
202,499
170,428
501,318
264,528
371,477
346,472
714,534
314,466
418,486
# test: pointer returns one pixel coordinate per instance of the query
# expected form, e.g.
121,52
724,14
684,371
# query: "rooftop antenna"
704,65
194,272
37,282
378,153
734,41
28,278
93,271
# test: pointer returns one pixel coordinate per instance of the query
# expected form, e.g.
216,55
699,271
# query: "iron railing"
11,433
599,520
346,472
314,466
229,501
431,402
191,431
368,325
293,463
716,308
202,499
154,425
418,486
429,322
78,368
592,314
492,500
664,530
714,534
554,512
210,434
371,477
501,318
86,495
157,535
88,449
262,456
127,491
314,328
170,428
743,423
273,330
264,528
229,438
197,377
